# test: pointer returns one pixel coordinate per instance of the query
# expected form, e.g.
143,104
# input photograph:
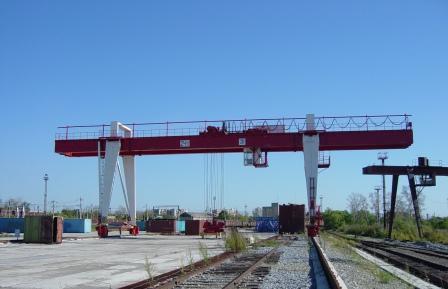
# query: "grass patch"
235,242
384,277
203,250
268,243
346,246
190,259
149,268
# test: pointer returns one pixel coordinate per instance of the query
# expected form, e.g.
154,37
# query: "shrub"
235,242
373,230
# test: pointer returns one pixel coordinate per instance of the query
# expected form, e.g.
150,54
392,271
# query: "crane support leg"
311,161
415,203
129,175
108,175
107,168
393,199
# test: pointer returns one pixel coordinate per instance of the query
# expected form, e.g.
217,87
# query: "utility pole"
80,207
383,156
321,203
52,203
146,212
377,204
45,194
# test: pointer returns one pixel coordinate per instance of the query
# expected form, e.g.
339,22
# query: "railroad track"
231,274
173,278
233,271
428,264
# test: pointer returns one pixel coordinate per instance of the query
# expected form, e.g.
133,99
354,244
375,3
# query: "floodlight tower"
45,193
383,156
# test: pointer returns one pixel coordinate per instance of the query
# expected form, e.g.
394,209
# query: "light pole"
377,203
45,194
383,156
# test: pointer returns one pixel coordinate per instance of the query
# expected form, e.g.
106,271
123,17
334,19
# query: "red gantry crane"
252,137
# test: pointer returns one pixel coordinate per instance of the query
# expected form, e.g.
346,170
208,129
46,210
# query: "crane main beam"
236,142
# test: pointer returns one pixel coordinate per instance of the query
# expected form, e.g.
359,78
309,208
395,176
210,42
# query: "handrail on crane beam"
177,128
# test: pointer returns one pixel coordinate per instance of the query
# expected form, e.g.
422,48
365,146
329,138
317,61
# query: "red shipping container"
161,226
194,227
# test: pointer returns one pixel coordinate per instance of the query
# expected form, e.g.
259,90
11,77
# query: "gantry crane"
255,138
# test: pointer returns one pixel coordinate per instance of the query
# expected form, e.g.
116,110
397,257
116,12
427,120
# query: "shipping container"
266,224
194,227
237,223
292,219
141,224
58,228
77,225
43,229
9,225
161,226
180,227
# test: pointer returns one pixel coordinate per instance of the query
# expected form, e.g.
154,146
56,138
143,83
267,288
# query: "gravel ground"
356,271
293,268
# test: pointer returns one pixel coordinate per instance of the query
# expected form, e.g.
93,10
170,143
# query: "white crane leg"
311,161
110,163
129,175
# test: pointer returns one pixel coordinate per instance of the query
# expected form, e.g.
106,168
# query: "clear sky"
89,62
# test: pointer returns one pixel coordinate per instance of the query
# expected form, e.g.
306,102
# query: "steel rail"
233,284
334,279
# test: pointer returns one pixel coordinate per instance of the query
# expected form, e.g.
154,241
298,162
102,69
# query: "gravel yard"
357,272
293,269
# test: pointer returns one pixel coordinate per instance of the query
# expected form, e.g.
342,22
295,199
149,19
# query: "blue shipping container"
180,226
77,225
9,225
266,224
141,225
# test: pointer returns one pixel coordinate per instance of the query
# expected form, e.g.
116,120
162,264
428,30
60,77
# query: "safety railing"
273,125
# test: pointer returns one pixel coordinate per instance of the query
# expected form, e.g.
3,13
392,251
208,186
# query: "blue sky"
85,62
